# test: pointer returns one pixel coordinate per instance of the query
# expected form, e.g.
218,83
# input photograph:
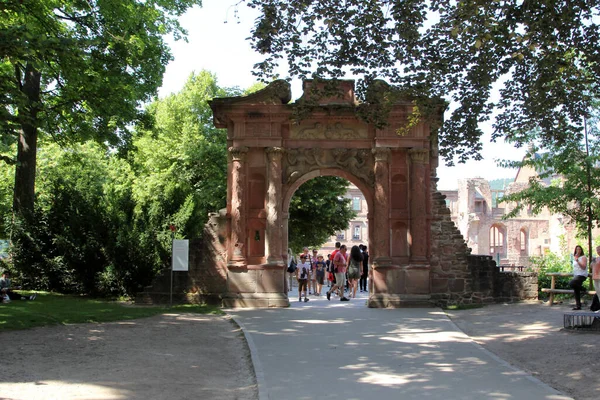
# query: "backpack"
595,306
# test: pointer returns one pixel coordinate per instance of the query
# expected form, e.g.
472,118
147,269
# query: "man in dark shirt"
365,269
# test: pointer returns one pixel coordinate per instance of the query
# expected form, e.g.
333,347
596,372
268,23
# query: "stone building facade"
477,212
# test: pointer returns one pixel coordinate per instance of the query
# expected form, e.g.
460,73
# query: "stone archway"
270,156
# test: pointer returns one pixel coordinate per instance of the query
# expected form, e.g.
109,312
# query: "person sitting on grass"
6,289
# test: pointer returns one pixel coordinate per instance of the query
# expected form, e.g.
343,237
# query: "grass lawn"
56,309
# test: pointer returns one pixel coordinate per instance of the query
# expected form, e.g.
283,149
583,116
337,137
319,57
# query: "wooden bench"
552,290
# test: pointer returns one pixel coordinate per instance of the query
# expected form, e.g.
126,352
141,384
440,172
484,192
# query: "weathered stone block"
242,281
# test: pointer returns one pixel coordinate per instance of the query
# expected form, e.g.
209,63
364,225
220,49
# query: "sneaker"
344,299
576,308
306,299
299,298
328,295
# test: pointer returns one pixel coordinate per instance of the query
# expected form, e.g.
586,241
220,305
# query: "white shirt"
303,270
578,270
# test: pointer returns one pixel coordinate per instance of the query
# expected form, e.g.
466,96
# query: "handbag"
293,266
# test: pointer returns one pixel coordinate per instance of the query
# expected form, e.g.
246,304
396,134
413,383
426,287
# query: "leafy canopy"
98,62
540,56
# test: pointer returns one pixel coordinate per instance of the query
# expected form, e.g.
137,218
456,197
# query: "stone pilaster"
238,224
381,229
274,232
419,212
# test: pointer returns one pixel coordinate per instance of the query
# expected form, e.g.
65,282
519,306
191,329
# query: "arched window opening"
497,245
524,242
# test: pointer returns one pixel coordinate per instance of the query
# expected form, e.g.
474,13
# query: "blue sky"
220,47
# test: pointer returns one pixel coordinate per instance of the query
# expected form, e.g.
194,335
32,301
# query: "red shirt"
340,259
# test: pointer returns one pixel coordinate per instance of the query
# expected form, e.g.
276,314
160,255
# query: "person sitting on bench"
580,274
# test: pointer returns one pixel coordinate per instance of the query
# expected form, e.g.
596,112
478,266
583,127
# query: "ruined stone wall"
516,286
450,279
206,280
457,277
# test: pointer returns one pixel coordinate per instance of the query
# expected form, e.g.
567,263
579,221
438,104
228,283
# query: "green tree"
180,160
540,57
317,211
76,70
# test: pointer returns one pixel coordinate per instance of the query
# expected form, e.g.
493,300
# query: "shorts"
340,279
320,277
302,285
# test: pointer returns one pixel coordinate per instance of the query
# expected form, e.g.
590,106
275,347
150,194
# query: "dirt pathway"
531,337
172,356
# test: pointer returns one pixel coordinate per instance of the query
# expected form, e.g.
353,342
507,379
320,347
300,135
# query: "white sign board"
181,251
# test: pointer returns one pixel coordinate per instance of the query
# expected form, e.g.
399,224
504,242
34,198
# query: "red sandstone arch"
271,154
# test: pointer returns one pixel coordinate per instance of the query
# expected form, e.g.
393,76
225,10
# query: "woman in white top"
580,274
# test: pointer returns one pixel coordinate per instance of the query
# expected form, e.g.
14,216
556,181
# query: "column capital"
238,153
419,155
382,154
275,153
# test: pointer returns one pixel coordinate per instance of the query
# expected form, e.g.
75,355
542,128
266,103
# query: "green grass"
56,309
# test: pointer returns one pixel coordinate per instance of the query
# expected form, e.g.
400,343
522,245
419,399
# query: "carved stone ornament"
419,155
275,153
382,154
358,162
331,130
238,153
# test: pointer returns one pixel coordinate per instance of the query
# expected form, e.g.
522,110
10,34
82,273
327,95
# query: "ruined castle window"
524,242
356,203
497,246
480,206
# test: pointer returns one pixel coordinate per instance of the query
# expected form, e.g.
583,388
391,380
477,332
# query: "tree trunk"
24,191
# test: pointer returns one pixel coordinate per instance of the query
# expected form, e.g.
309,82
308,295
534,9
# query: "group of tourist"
342,270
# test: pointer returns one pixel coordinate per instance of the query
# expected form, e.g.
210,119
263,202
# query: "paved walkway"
344,350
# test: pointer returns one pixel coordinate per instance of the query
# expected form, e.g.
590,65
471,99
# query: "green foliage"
102,221
543,56
181,160
55,309
317,210
77,70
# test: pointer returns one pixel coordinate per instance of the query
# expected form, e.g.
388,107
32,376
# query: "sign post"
173,229
179,260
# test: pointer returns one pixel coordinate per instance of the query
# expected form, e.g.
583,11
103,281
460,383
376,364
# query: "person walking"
340,262
313,272
320,267
355,264
596,271
580,274
302,274
365,270
292,264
